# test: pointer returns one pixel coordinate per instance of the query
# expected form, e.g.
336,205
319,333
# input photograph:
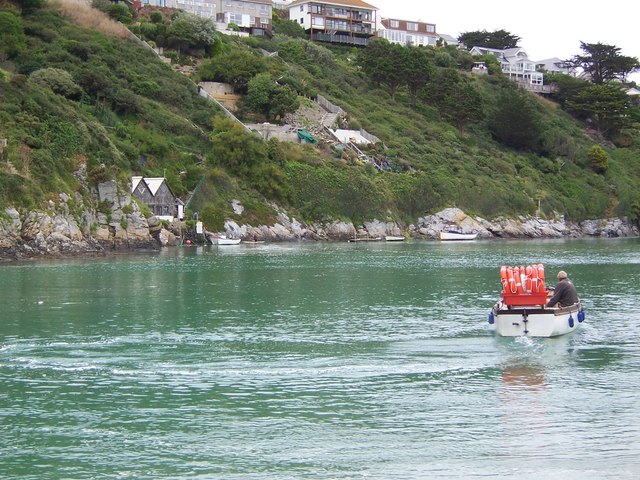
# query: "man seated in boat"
564,293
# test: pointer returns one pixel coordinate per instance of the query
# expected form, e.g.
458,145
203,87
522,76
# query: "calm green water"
316,361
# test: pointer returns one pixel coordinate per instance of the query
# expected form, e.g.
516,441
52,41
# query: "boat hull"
457,236
535,321
224,241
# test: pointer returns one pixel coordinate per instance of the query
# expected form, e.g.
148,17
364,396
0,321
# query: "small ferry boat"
522,309
451,232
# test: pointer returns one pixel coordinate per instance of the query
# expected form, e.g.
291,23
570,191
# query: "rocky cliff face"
69,228
428,228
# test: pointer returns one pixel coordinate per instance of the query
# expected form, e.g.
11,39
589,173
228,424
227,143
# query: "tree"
418,69
192,31
499,39
516,123
265,96
156,16
233,147
59,81
567,86
235,67
120,12
455,97
383,62
29,6
603,62
12,37
606,105
598,159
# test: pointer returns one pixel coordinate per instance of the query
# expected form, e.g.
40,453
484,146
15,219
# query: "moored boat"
451,232
522,309
393,238
223,240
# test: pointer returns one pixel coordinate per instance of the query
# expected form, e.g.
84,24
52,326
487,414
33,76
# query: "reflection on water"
523,376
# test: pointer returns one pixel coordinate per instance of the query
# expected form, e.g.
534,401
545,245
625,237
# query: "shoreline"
58,236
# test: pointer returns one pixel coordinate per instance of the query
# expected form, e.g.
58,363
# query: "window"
235,18
412,26
431,28
394,23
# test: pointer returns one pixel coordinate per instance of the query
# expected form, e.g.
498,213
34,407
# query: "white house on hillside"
555,65
515,63
408,32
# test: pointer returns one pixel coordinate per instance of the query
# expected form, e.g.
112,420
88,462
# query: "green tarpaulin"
306,136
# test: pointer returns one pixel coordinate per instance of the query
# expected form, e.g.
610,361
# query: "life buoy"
503,278
518,278
541,271
528,284
535,284
511,280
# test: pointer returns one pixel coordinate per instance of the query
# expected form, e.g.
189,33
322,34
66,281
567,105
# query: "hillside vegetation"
76,91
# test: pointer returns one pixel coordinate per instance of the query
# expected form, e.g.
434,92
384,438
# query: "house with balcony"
555,65
253,17
406,32
350,22
516,64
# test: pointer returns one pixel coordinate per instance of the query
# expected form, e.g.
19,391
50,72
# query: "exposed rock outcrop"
118,224
70,227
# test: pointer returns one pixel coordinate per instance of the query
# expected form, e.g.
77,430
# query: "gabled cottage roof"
340,3
152,183
134,183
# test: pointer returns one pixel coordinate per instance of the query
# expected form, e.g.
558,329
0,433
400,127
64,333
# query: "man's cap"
562,274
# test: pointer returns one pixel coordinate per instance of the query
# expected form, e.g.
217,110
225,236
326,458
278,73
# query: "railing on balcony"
544,89
340,38
343,13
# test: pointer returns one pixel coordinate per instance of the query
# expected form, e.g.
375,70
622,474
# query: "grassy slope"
143,108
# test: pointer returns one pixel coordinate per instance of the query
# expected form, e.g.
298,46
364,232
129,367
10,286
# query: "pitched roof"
134,183
341,3
153,183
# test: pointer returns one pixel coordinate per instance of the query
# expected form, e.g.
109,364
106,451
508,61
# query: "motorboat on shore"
393,238
451,232
223,240
522,309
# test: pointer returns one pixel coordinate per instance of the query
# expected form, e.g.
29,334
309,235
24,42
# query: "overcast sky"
547,28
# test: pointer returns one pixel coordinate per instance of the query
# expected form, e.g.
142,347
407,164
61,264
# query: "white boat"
521,312
535,320
393,238
452,233
223,240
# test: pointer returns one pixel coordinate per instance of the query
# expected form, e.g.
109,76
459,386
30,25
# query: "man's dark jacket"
565,294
